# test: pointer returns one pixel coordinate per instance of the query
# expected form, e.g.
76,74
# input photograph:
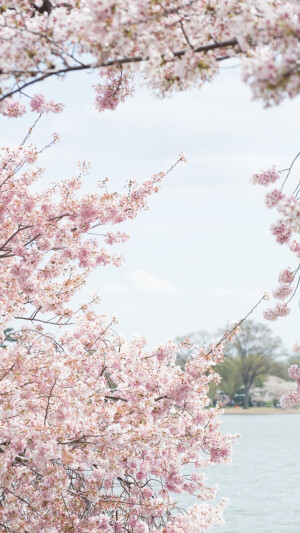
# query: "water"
263,482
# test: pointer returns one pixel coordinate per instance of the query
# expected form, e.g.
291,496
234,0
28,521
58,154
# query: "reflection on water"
263,482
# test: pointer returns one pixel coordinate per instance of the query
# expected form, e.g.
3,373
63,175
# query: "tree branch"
117,62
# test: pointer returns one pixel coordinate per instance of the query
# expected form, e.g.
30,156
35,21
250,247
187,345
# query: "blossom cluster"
171,45
96,433
266,177
14,108
292,398
48,240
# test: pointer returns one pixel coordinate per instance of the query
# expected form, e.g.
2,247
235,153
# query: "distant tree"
231,377
280,368
253,354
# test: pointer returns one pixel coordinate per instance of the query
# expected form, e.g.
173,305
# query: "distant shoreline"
260,411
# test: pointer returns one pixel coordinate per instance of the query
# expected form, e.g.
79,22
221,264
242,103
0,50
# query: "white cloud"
146,282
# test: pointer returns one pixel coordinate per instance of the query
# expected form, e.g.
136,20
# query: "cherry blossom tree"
170,44
95,431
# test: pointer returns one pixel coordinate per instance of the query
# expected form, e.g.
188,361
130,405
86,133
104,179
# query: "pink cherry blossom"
294,373
14,109
270,314
38,103
290,399
295,248
266,177
286,276
296,347
281,232
283,292
272,198
282,309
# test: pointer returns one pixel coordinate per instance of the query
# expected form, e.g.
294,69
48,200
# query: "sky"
202,254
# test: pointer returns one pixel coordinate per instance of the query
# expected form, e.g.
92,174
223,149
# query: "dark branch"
118,62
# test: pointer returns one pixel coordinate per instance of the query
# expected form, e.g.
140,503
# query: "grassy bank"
260,411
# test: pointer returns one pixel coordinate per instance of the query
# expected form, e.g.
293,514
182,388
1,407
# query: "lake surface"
263,481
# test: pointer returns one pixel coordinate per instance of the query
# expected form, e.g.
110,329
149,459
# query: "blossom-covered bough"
170,44
286,232
49,239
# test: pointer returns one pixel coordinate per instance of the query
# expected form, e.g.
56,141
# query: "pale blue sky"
203,252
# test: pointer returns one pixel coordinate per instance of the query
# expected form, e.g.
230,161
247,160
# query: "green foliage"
231,377
249,359
9,337
255,352
213,389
